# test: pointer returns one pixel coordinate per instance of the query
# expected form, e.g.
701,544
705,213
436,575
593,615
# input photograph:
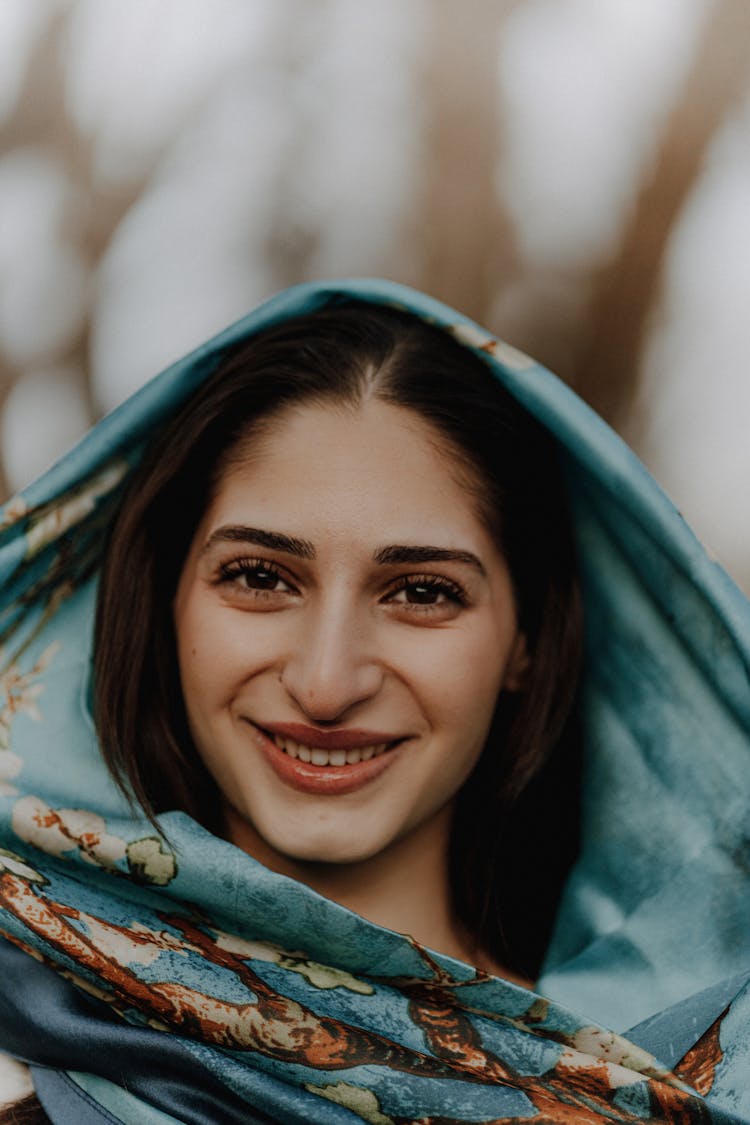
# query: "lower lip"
325,780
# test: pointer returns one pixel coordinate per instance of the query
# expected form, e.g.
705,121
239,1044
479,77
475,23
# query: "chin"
325,847
302,840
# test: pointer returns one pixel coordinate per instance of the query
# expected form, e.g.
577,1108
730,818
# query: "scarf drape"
152,981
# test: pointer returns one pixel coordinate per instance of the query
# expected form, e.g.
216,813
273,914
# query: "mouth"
317,756
353,761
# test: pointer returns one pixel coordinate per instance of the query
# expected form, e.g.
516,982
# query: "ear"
517,668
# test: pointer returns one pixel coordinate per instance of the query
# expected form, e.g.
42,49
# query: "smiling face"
344,624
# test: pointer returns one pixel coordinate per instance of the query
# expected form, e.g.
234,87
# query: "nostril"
326,689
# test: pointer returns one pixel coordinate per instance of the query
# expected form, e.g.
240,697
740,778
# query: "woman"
362,563
332,447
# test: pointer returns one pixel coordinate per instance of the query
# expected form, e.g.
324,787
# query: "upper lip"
345,738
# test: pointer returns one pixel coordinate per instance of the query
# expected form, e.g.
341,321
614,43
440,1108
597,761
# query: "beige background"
573,173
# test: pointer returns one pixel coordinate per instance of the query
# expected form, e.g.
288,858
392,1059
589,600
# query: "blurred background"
575,174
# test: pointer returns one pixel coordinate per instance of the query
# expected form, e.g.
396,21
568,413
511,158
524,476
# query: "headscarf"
152,979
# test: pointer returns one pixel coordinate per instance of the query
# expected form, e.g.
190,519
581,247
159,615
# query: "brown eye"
420,593
261,578
253,576
427,593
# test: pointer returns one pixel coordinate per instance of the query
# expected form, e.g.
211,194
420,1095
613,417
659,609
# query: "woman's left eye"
426,593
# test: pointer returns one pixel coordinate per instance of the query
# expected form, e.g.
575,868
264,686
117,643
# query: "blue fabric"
291,1004
65,1102
44,1019
670,1035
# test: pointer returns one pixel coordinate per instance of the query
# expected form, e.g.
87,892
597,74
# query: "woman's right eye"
261,578
254,576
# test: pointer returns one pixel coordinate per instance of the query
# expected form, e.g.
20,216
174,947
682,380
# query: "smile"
319,757
350,761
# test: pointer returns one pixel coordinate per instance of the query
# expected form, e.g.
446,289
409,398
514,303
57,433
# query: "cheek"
476,682
459,672
219,650
206,654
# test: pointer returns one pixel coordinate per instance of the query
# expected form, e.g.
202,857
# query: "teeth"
320,757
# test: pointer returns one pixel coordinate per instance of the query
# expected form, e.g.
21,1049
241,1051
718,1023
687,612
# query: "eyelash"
433,582
238,569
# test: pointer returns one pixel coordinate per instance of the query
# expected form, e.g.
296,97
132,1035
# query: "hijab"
154,978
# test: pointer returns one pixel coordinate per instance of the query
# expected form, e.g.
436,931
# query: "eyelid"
439,582
230,569
247,561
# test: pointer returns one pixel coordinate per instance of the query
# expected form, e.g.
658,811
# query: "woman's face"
344,625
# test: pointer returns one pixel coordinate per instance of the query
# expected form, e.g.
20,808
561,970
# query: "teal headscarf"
287,1006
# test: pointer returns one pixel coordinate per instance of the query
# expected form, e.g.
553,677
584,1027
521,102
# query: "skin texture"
344,640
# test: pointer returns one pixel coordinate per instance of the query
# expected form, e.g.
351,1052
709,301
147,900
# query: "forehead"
370,467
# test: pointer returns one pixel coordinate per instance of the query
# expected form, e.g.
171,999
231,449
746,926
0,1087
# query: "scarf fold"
184,981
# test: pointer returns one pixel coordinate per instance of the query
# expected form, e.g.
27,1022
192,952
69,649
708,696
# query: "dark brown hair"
345,354
27,1111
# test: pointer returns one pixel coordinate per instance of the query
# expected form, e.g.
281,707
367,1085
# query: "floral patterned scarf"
149,981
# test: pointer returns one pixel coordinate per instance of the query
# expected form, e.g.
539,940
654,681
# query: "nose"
333,666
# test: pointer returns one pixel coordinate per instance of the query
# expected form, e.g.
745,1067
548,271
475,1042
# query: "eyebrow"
303,549
273,540
403,554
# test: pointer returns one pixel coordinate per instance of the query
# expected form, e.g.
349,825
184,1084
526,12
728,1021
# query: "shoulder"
15,1080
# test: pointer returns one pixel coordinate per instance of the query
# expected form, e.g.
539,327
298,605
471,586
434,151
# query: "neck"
405,887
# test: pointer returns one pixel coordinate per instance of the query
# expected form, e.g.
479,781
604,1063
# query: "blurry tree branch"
627,289
462,224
